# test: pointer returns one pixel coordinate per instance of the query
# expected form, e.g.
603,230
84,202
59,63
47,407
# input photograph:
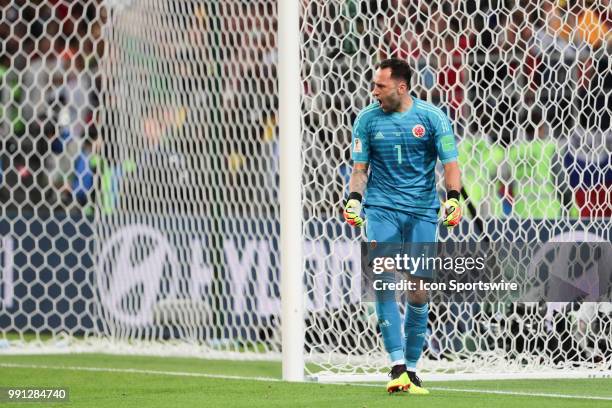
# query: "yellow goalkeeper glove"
452,209
352,210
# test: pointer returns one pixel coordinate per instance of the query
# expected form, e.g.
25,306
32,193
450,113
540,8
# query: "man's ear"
402,88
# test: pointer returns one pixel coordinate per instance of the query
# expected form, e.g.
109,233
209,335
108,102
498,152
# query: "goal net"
527,87
140,174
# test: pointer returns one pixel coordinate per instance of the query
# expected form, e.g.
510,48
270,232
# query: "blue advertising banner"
224,271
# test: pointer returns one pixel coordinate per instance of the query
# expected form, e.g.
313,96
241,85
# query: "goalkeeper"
398,139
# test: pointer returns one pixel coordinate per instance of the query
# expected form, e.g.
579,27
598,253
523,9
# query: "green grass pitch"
96,380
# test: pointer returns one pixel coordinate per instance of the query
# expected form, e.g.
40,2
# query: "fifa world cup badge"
357,145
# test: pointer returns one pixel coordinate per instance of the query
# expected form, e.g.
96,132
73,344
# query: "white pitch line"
522,394
270,379
139,371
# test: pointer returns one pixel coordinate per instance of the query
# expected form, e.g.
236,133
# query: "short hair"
400,69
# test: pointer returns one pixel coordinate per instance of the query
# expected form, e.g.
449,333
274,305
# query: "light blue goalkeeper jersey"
402,149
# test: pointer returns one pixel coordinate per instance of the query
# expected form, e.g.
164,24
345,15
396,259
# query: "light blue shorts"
384,225
395,227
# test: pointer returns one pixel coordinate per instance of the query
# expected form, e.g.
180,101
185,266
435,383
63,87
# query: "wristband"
452,194
354,196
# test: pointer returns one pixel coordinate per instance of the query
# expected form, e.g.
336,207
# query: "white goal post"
292,274
173,174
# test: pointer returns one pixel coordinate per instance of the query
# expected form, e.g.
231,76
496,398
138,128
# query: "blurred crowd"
526,83
49,96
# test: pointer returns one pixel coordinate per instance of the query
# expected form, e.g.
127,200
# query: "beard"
389,104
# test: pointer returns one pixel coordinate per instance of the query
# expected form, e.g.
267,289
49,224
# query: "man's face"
387,90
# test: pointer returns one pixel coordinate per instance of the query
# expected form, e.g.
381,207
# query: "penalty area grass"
96,380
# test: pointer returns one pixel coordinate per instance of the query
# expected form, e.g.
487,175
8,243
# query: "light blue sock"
390,324
415,330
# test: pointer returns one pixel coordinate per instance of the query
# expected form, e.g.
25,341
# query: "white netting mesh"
139,170
189,103
527,86
150,208
49,88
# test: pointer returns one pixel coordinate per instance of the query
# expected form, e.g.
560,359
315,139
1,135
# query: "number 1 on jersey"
399,153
